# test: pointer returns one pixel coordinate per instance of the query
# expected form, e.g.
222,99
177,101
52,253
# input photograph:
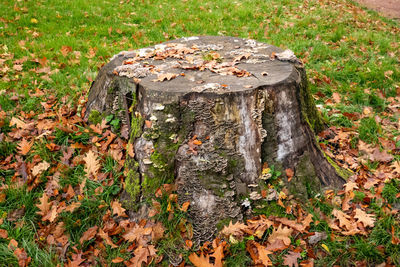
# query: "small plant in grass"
369,130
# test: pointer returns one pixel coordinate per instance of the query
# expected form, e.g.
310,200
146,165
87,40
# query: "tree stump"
205,114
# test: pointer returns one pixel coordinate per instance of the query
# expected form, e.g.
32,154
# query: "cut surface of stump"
206,114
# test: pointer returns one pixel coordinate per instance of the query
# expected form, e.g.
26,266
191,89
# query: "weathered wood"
230,105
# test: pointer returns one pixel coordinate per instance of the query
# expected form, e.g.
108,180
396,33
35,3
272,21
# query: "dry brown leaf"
185,206
92,165
18,123
218,256
236,229
40,168
137,233
377,155
293,224
117,260
165,76
307,220
106,238
344,219
89,234
396,167
65,50
24,146
258,226
44,205
200,261
22,256
3,234
51,215
336,97
118,209
281,233
365,218
291,258
350,186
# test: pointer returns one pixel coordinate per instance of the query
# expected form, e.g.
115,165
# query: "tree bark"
205,114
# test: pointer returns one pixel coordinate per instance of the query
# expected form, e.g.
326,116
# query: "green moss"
132,182
136,127
344,173
95,117
308,109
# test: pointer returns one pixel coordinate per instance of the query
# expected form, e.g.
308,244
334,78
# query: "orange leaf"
185,206
117,260
24,146
200,261
44,205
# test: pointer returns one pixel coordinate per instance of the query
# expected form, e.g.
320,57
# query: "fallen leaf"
281,233
106,238
336,97
365,218
24,146
291,258
318,236
137,233
377,155
3,234
92,165
344,219
40,168
200,261
89,234
218,256
118,209
236,229
117,260
44,205
165,76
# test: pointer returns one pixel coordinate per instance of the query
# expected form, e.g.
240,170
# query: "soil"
388,8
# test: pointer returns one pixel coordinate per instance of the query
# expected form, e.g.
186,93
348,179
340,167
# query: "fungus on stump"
205,114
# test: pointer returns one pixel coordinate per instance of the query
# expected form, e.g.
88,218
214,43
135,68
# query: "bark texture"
205,113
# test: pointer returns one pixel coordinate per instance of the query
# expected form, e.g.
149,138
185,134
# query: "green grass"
345,52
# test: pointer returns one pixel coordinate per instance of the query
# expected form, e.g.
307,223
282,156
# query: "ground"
61,179
389,8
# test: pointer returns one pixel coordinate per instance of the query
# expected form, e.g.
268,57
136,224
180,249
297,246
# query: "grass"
347,50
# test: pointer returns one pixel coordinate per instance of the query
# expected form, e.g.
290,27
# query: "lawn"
52,210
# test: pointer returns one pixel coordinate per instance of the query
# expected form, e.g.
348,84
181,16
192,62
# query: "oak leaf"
365,218
236,229
200,261
165,76
344,219
218,256
291,258
141,254
18,123
396,167
40,168
51,215
258,253
281,233
258,226
106,238
118,209
137,233
44,205
383,156
24,146
293,224
89,234
92,165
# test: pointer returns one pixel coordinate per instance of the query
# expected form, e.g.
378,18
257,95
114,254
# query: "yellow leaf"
33,20
325,247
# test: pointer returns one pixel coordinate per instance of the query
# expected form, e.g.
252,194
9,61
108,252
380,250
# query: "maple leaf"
118,209
137,233
89,234
40,168
344,219
44,205
291,258
236,229
92,163
200,261
365,218
24,146
281,233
